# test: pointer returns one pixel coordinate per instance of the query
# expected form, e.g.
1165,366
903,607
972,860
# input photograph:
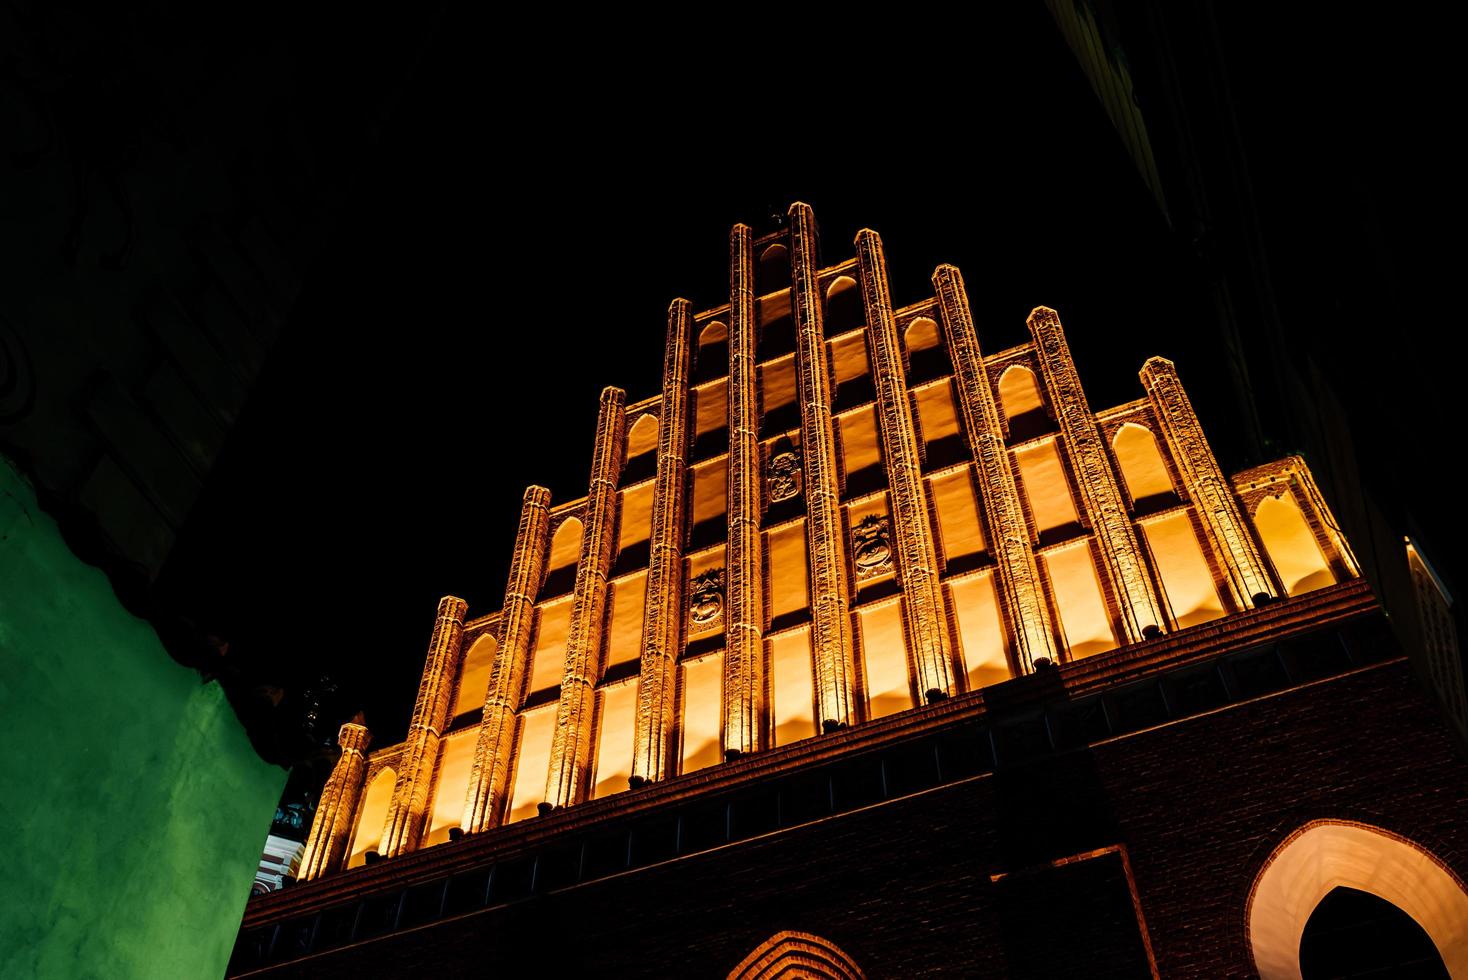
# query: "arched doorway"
797,954
1326,856
1353,935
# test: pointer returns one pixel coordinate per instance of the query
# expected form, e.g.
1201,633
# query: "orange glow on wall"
1140,460
636,515
1187,581
937,413
711,406
372,815
474,677
1046,486
1083,613
703,709
455,762
959,528
793,688
860,446
618,714
624,639
710,489
788,579
848,357
980,629
777,383
549,660
532,761
885,652
1291,545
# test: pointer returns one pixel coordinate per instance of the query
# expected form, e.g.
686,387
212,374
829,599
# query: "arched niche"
774,268
642,450
711,359
372,816
1019,394
565,552
1325,855
1291,545
843,306
474,677
1142,467
922,334
927,358
797,954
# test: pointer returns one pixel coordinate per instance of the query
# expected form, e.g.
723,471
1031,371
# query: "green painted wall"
133,809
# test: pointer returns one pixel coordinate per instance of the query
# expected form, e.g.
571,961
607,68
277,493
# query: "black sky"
536,204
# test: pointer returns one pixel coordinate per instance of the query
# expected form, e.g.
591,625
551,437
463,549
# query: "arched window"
1324,856
774,268
474,676
711,360
1142,468
843,306
642,450
926,356
565,552
1019,394
797,954
372,816
1291,545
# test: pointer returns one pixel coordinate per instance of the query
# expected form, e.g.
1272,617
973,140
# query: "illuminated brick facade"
845,558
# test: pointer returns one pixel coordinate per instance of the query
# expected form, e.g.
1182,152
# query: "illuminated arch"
372,815
714,333
1326,854
843,306
642,444
797,954
1291,545
1140,460
711,360
474,677
565,546
1019,391
921,334
774,268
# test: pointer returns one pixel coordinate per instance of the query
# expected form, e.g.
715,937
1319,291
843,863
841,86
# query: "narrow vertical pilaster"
1206,485
1007,530
744,675
430,713
917,556
487,781
1141,616
662,623
338,805
571,744
825,537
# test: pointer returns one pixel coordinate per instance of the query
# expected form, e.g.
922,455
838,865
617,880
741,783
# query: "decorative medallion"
783,476
872,546
706,597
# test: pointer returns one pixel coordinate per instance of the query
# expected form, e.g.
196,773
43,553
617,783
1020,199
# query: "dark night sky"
515,244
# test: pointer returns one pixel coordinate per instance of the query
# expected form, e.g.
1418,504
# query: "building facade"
871,653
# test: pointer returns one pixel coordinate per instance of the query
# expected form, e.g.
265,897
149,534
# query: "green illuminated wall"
133,809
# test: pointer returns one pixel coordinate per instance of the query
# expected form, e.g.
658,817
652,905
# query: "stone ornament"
782,476
706,597
871,543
